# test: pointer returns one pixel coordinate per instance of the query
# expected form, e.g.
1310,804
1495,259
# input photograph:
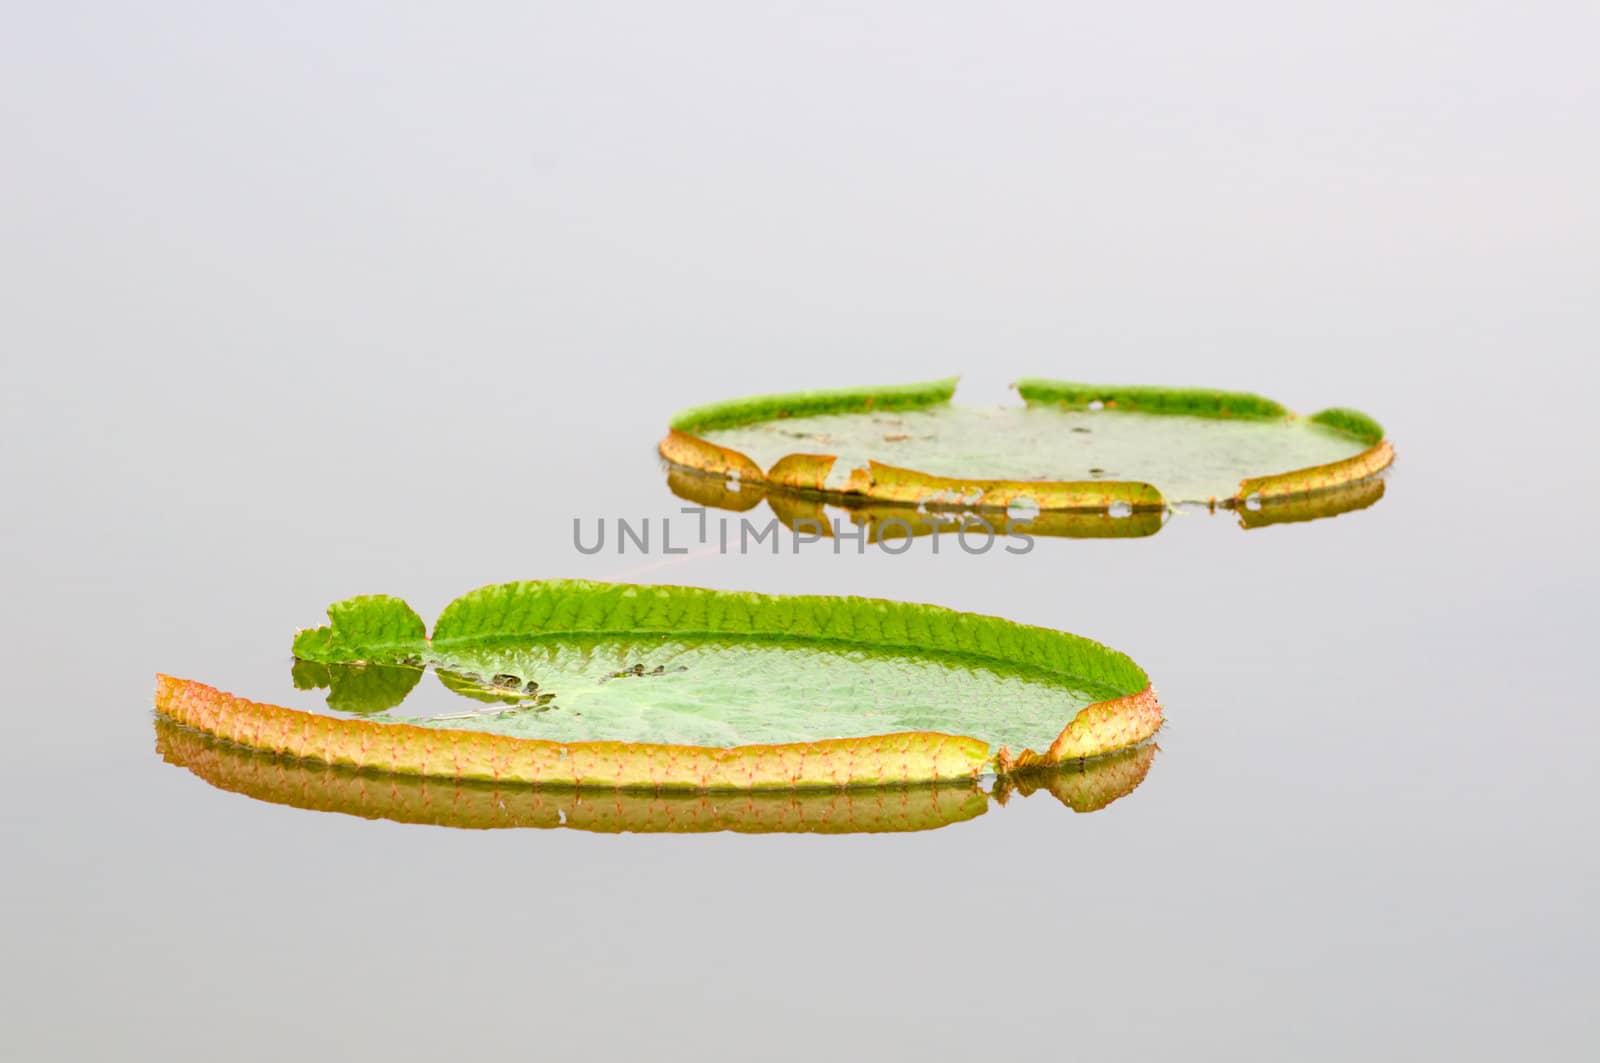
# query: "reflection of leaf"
713,491
1073,447
359,688
309,675
1330,503
475,806
473,686
1086,787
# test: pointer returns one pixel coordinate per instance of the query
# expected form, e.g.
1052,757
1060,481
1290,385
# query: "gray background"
305,300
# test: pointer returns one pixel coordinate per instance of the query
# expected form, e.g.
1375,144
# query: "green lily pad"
675,686
731,692
1072,446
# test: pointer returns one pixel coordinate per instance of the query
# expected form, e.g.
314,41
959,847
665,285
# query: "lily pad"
1070,447
1082,787
613,684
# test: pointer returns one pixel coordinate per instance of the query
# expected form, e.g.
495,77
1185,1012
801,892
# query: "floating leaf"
683,687
1071,447
1085,787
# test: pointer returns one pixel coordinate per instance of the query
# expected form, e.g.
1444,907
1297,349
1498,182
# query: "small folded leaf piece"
585,684
371,627
1072,447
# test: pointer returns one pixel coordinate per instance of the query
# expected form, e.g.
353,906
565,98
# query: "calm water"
302,309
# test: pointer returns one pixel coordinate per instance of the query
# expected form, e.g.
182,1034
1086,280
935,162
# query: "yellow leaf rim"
899,759
806,474
467,805
1333,476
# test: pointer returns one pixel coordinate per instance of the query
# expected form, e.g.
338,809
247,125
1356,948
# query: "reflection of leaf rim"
573,607
886,483
790,507
1297,508
480,806
1095,785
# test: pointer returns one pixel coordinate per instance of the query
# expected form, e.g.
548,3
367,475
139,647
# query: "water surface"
302,302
